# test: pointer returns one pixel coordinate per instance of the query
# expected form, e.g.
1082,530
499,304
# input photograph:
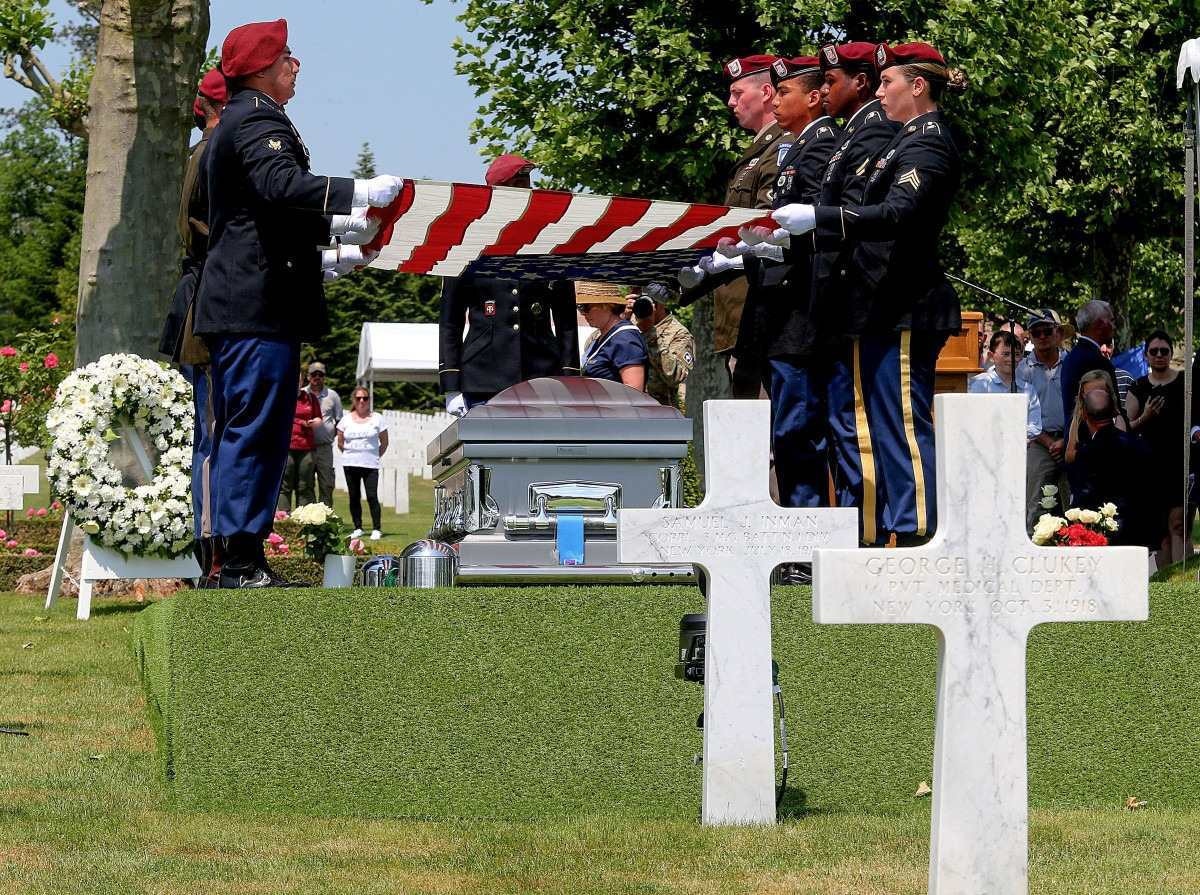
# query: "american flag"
453,229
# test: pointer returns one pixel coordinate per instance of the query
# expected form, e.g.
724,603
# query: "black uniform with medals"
509,339
896,309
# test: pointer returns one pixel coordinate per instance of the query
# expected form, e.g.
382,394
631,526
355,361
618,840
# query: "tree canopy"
1071,127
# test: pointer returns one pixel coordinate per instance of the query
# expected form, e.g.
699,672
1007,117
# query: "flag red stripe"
545,208
710,241
695,216
621,213
467,203
389,216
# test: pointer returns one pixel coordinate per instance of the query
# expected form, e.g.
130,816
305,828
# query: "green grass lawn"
398,531
82,809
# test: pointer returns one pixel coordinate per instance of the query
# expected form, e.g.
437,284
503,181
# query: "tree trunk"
139,118
707,380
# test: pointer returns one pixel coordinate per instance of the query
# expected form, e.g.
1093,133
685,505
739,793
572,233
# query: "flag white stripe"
735,217
582,212
659,214
430,203
507,205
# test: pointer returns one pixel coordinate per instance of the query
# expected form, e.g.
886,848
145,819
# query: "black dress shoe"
256,576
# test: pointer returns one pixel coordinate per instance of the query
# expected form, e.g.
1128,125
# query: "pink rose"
29,551
3,534
274,539
6,406
280,515
29,513
356,545
23,366
56,505
51,361
8,351
283,548
11,543
41,511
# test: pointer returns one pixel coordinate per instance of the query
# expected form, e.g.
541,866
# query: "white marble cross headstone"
15,483
984,585
738,535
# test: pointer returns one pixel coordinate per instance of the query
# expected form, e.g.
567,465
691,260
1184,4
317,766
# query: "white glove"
796,219
456,404
768,252
758,235
379,191
691,277
712,264
733,249
354,228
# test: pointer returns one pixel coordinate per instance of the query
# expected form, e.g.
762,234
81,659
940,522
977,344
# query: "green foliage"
31,367
41,209
1071,127
536,702
364,165
376,296
25,26
14,565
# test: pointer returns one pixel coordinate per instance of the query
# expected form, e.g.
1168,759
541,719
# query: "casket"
530,485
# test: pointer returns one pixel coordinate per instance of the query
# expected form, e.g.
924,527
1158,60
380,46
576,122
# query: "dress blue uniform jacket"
267,217
1081,359
894,280
509,339
776,321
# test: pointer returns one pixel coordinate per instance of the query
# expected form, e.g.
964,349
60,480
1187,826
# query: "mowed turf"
82,810
535,702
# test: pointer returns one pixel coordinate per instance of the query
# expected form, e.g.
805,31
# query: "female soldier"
899,308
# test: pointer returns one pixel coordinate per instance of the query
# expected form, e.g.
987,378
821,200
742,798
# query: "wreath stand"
101,564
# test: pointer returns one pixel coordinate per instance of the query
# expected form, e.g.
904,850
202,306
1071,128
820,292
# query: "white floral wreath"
145,520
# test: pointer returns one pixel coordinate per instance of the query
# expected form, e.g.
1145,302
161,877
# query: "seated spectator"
1113,467
300,473
1002,351
616,350
1155,409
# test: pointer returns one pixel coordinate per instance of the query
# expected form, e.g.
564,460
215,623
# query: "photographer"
668,343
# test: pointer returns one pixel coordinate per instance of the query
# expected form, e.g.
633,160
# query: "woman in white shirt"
362,438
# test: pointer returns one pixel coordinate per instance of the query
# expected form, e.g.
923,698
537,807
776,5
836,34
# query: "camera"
643,307
692,629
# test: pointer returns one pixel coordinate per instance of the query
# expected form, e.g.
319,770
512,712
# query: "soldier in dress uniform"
260,292
899,306
509,339
751,185
851,81
777,331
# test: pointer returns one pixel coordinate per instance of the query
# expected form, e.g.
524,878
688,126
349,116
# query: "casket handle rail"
597,502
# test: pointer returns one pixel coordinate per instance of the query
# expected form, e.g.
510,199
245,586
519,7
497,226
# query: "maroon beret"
747,65
505,168
784,67
212,86
906,54
253,47
857,54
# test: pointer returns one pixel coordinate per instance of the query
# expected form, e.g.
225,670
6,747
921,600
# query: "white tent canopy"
405,352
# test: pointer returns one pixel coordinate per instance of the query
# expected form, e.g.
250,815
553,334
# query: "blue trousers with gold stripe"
798,436
254,399
881,432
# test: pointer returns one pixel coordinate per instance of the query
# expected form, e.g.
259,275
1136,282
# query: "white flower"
90,527
1045,528
1049,490
1109,509
1073,514
1111,523
1048,502
1089,517
312,514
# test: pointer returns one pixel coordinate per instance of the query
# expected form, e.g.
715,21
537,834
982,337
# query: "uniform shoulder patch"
873,116
688,359
824,129
910,178
931,127
274,144
783,151
753,162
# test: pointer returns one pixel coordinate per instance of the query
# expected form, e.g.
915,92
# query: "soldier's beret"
784,68
906,54
253,47
505,168
747,65
853,56
212,87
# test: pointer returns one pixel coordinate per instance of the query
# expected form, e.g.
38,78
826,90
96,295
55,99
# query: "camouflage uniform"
670,347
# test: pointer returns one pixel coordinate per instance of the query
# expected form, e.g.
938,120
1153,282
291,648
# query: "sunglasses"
1158,352
362,397
583,309
1040,331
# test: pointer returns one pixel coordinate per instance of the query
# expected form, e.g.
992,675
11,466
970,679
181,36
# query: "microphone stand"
1007,303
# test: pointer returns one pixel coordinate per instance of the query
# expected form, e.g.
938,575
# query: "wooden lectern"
959,360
